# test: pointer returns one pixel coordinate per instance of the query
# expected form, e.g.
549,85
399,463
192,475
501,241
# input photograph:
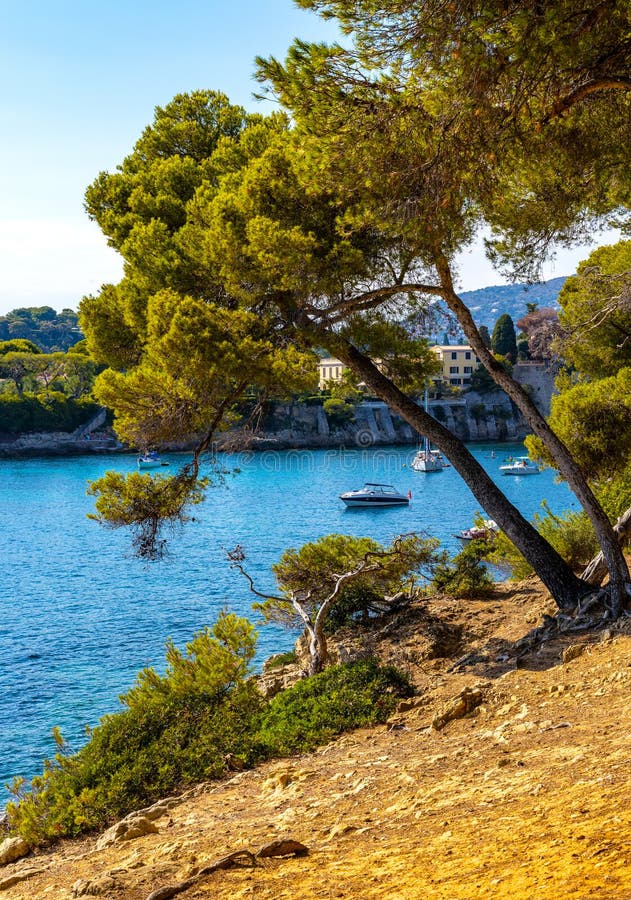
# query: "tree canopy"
331,232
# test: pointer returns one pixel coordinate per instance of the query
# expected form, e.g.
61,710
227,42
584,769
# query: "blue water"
80,616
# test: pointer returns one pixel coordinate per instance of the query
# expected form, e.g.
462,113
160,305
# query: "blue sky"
80,81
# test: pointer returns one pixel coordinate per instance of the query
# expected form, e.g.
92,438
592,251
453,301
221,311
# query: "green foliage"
359,600
571,535
18,345
146,503
280,659
594,314
54,412
339,412
317,709
312,572
594,419
194,723
38,329
201,719
482,382
504,339
466,575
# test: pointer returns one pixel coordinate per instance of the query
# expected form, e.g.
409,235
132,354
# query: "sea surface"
80,616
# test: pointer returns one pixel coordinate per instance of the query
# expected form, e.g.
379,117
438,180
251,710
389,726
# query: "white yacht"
375,495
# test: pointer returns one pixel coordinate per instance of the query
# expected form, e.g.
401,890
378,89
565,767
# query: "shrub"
339,412
194,723
199,721
315,710
466,575
56,412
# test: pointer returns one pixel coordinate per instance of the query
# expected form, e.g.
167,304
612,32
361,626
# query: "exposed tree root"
286,847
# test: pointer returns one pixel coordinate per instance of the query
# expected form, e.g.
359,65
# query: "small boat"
427,460
520,465
484,532
150,460
375,495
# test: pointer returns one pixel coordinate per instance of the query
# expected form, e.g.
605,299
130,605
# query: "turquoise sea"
80,616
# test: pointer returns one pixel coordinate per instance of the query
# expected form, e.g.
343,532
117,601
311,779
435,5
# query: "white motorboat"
375,495
520,465
150,460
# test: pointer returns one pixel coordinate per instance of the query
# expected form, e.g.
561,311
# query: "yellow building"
330,369
458,362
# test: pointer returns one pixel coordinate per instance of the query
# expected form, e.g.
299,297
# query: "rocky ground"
506,776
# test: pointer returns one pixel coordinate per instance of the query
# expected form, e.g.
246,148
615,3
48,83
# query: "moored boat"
372,494
427,460
486,531
521,465
150,460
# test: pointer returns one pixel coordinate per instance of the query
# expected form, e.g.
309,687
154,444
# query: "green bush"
317,709
197,722
192,724
339,412
571,535
54,412
466,575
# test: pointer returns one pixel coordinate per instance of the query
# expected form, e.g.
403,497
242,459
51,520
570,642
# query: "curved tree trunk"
612,553
566,588
597,568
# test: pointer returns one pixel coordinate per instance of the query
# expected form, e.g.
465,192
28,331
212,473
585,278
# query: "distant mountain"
489,303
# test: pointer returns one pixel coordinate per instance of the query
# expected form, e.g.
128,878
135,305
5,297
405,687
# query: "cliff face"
473,418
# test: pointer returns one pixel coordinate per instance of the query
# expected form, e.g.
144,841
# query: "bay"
80,616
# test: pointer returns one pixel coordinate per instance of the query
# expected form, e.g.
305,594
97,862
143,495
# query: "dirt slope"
525,796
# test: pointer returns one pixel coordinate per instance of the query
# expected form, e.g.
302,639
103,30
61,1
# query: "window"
467,355
454,355
468,370
454,370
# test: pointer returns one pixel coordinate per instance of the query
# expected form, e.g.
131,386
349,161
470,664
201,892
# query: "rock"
93,888
22,875
126,830
12,849
572,652
458,707
284,847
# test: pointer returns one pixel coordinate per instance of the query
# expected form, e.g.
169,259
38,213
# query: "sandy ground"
525,796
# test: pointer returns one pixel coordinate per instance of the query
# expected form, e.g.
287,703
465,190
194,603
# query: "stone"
12,849
93,888
458,707
572,652
21,875
126,830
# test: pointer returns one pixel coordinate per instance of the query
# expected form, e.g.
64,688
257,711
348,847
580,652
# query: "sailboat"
427,460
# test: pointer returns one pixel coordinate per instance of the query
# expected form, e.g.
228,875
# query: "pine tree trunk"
558,577
597,568
612,553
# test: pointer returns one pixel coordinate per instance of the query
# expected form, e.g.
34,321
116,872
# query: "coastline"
296,426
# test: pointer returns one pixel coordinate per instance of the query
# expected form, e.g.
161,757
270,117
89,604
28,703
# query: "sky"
81,80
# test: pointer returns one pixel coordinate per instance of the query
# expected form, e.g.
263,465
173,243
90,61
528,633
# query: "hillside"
489,303
505,777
